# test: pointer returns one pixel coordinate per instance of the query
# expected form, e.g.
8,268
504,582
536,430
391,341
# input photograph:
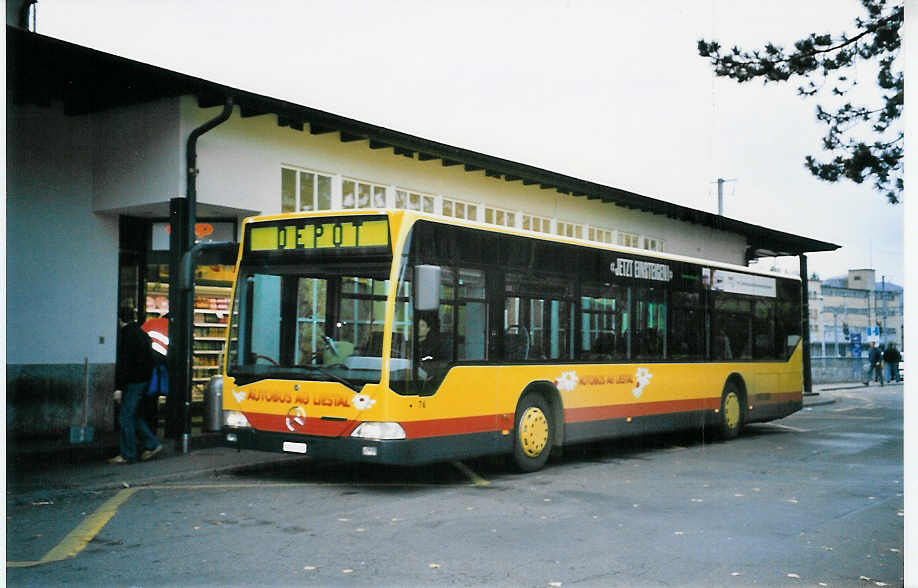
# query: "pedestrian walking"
892,357
875,363
133,369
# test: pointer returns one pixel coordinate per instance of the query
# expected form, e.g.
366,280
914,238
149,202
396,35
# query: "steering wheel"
520,329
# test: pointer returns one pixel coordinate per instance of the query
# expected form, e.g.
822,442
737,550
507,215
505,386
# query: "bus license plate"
292,447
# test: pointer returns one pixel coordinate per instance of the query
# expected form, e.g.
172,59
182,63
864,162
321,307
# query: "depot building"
98,175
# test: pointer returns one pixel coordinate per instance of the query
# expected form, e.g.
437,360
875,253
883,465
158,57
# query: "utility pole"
720,194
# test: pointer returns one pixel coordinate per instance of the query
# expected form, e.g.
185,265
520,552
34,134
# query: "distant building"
855,306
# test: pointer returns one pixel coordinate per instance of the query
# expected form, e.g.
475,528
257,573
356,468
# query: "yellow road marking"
77,539
476,479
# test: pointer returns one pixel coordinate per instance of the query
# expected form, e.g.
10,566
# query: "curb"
819,403
193,473
28,492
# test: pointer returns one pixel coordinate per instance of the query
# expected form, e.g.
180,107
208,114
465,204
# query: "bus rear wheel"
731,412
534,434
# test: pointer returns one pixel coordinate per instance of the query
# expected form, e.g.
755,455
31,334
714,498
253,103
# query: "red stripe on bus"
454,426
310,425
491,422
620,411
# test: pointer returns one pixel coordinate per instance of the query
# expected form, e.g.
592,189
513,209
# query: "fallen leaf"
309,568
865,578
739,495
697,500
880,583
793,501
125,485
679,533
736,573
826,548
894,550
347,571
793,575
547,500
555,584
434,566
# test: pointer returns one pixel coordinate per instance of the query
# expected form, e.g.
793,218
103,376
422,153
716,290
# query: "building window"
303,190
497,216
356,194
414,201
653,244
459,209
599,235
539,224
566,229
629,239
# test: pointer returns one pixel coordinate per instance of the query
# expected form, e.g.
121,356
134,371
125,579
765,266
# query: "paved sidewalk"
34,473
41,468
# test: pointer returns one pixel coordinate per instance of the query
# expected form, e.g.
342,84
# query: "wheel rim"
533,431
731,410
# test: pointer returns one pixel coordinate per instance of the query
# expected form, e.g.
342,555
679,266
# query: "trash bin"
213,404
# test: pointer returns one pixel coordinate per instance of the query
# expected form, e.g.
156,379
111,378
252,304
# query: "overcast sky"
609,91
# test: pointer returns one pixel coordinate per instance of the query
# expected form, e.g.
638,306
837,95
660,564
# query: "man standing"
875,360
892,357
133,368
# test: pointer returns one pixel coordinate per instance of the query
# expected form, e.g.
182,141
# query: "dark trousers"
878,373
132,423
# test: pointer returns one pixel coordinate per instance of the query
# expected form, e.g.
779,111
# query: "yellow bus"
402,338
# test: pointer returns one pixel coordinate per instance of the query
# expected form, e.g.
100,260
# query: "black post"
805,311
179,333
183,316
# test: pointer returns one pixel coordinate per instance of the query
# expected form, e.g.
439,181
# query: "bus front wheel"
534,433
731,412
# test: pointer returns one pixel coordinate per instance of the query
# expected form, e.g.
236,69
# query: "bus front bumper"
352,449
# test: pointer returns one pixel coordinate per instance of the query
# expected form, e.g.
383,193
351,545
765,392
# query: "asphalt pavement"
39,469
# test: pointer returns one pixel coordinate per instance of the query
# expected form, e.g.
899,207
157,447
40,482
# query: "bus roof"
412,216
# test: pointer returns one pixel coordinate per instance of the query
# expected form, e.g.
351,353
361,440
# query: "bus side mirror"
426,287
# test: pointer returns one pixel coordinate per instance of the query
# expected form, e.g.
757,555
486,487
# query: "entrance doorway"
144,286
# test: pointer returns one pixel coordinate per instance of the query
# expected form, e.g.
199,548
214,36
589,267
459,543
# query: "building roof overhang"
43,71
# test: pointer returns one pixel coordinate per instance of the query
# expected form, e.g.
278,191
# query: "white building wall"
240,163
136,156
62,258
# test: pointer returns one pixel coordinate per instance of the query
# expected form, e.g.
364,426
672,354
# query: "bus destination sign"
320,233
642,270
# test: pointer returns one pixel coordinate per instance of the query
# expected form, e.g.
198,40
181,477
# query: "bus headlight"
234,418
374,430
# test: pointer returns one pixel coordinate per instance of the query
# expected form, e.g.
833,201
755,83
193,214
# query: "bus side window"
472,315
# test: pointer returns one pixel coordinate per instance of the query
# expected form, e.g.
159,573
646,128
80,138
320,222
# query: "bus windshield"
309,322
